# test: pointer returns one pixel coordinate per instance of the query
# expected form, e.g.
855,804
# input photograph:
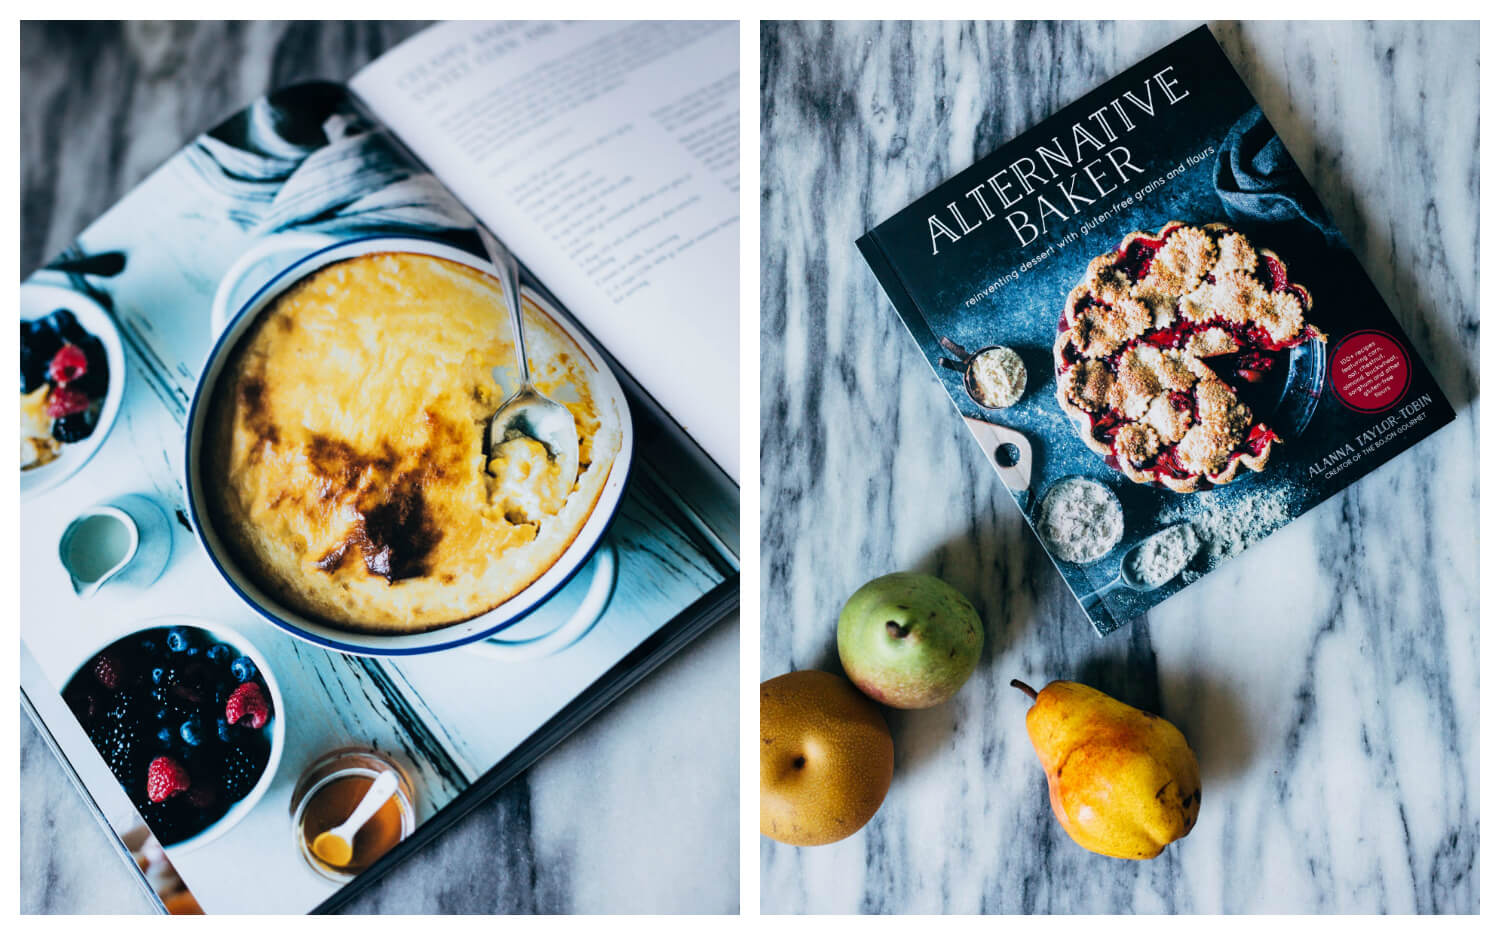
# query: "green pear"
909,640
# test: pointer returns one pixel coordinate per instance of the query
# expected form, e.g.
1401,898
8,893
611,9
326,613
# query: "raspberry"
107,671
64,401
67,365
165,777
248,702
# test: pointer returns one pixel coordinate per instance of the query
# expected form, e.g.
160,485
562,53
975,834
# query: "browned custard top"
346,464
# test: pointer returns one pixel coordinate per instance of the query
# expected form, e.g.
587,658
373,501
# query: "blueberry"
161,714
95,381
223,727
164,737
62,323
149,647
191,651
178,639
192,732
76,426
243,668
220,652
157,674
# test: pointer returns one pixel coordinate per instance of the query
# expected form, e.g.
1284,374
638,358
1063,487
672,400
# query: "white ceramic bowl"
304,255
239,641
38,301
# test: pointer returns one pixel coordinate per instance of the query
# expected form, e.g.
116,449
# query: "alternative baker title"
1062,178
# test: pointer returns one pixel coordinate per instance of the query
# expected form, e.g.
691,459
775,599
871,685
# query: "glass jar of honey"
329,792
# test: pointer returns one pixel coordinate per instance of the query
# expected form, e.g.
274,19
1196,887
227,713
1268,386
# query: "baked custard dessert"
345,464
1154,342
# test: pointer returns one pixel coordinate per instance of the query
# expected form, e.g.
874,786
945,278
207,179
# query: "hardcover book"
1144,315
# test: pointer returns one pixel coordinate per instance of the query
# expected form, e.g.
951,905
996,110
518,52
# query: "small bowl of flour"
1080,520
995,377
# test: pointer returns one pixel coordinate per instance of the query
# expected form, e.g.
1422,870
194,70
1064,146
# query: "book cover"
1147,319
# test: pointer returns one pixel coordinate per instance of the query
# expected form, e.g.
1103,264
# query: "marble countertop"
103,104
1328,678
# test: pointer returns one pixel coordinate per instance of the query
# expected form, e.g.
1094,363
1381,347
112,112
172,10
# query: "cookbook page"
606,156
196,709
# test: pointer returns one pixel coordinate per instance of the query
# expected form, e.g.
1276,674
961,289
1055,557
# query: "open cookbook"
288,557
1148,321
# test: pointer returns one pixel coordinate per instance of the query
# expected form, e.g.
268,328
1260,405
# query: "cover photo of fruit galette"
1103,695
350,485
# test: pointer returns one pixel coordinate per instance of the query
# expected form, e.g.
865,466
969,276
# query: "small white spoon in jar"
335,846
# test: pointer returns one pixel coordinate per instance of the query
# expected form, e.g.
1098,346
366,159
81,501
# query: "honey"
328,794
334,802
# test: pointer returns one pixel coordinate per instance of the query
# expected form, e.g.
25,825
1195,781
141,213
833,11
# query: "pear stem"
1030,692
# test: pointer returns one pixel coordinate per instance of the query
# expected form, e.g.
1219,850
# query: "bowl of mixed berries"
72,383
188,719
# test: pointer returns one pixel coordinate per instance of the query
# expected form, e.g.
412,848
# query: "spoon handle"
1094,603
377,795
510,277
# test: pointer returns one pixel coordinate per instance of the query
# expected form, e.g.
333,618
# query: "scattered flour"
1227,525
1080,520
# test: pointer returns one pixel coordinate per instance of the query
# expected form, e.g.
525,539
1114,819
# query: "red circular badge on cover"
1371,371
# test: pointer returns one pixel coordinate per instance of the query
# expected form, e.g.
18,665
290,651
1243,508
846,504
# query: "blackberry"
76,426
118,739
169,821
167,708
38,344
62,323
84,702
95,380
242,768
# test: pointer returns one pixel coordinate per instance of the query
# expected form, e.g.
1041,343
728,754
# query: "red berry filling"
1252,360
1260,436
1136,258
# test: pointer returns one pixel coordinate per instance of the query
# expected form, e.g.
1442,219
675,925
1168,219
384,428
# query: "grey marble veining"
1328,678
102,105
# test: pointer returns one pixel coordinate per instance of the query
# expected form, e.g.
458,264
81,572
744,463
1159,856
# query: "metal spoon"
335,846
528,413
1127,576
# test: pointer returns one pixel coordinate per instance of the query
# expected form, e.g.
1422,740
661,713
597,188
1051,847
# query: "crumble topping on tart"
1135,343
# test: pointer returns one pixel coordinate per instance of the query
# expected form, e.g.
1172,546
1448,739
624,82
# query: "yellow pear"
1123,782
